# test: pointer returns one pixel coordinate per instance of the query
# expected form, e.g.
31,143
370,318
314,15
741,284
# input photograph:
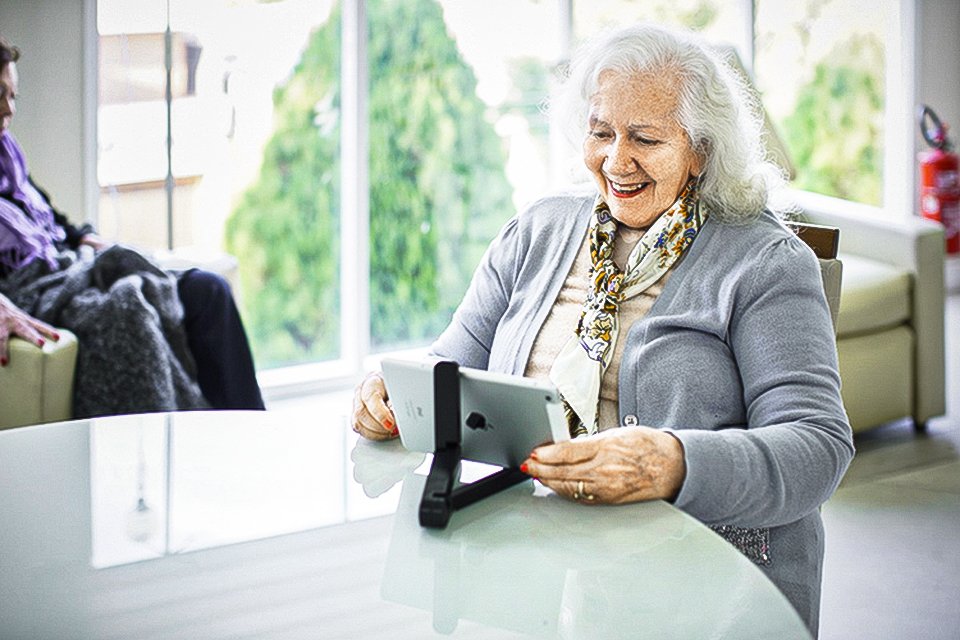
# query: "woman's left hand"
629,464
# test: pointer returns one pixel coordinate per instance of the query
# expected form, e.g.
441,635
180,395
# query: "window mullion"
354,188
168,105
91,62
899,124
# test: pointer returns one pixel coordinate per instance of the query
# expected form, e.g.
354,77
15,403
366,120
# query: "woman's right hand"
15,322
372,416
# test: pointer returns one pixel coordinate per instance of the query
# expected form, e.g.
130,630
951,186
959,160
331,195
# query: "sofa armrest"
909,243
36,386
222,264
915,245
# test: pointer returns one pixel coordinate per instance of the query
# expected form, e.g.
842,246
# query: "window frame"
356,357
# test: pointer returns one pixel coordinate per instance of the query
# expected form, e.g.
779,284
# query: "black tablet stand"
440,495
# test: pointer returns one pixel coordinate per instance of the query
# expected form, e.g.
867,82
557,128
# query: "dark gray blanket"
127,316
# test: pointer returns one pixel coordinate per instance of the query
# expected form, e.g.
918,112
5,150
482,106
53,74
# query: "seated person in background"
148,340
685,326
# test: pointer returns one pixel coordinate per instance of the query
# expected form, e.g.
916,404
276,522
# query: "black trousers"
218,342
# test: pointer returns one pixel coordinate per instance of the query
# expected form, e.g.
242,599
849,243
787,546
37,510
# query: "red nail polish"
56,337
3,362
388,424
524,467
40,342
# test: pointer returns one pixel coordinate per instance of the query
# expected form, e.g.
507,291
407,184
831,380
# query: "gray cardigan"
737,357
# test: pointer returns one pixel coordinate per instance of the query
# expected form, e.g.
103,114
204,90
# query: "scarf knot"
579,367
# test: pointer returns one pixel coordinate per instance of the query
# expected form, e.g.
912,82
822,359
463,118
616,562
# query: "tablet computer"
518,414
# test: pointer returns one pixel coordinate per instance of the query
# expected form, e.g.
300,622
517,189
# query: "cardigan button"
630,420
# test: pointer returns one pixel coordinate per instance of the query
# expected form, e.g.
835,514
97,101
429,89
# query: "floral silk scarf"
579,367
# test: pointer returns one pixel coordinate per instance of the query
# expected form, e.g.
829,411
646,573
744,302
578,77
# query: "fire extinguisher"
939,180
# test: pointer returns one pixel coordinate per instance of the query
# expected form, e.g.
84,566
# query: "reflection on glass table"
252,524
163,484
528,561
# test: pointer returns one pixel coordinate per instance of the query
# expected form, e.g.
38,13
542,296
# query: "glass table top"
252,524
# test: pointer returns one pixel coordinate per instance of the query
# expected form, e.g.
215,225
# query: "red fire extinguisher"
939,179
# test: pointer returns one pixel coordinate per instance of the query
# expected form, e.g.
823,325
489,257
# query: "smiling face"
8,94
638,154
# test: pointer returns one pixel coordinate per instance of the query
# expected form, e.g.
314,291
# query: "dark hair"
8,52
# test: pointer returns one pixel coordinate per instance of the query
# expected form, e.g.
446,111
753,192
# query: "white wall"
56,110
938,60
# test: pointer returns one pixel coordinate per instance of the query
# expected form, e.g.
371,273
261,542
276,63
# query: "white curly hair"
716,110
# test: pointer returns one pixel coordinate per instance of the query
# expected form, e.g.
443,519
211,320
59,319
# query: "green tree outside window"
438,191
835,130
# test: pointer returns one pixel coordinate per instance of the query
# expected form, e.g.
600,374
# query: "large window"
820,66
457,142
241,154
722,22
356,157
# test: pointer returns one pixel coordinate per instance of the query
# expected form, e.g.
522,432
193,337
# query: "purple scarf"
27,227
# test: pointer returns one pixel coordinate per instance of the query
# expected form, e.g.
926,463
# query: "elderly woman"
685,326
148,340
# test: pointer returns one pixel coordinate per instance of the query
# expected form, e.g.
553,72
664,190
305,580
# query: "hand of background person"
95,241
629,464
16,322
372,417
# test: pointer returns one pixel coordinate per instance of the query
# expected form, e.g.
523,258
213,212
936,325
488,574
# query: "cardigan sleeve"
793,451
469,336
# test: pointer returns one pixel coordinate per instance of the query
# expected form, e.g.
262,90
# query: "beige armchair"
890,332
36,386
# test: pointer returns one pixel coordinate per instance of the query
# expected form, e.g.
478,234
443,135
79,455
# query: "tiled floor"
892,567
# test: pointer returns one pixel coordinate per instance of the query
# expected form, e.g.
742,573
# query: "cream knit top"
565,313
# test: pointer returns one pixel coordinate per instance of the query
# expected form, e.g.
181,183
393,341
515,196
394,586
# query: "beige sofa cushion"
874,296
876,385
